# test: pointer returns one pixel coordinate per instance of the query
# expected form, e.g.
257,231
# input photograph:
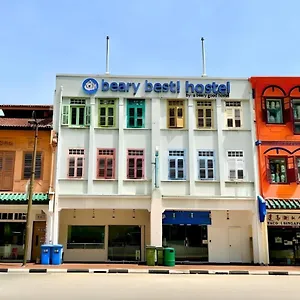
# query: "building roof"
273,203
25,106
23,123
21,198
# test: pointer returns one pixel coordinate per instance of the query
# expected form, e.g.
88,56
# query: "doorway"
124,243
234,239
38,238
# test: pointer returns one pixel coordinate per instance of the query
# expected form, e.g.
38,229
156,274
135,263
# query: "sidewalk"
132,268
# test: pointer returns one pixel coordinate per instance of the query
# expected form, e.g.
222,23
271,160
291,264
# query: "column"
219,122
191,142
56,225
49,222
156,219
121,149
91,151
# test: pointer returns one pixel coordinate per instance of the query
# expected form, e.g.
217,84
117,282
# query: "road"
147,286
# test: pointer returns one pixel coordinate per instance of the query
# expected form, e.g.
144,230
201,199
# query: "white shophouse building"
108,202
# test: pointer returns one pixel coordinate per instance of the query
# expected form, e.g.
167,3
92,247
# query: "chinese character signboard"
283,219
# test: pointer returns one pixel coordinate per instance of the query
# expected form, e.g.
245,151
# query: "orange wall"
22,141
280,135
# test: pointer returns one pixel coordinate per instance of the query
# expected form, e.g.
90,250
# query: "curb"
148,271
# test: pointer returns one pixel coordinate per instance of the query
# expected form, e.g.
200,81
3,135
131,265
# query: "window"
235,160
206,165
106,164
107,110
135,164
298,168
27,165
7,164
204,114
77,113
135,113
233,112
177,165
85,237
296,115
282,169
175,114
76,158
274,111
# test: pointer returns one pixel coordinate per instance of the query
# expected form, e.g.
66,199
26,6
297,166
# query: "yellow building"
16,153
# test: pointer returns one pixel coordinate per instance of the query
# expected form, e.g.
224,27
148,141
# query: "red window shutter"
287,111
263,109
268,171
8,163
101,167
291,170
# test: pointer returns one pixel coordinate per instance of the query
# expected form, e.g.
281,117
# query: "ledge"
238,181
236,129
106,128
174,129
72,179
175,180
100,179
137,128
207,181
205,129
137,180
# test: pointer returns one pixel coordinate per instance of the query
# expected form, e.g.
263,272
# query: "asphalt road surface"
147,286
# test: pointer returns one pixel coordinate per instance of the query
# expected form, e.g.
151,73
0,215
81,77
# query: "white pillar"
91,152
121,149
256,238
56,226
156,219
49,228
191,142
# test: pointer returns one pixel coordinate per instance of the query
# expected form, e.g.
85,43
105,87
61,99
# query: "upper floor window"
298,168
204,114
76,163
206,165
235,161
177,165
175,114
233,114
296,115
281,169
28,165
135,164
274,111
106,164
135,113
77,113
107,110
7,164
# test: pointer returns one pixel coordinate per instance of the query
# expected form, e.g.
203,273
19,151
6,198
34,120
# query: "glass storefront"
124,243
284,245
189,241
12,236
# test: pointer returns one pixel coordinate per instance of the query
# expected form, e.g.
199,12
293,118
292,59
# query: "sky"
243,38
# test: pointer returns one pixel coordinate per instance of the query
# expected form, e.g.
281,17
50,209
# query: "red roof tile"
21,123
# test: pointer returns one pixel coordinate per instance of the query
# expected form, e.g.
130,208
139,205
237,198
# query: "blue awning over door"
173,217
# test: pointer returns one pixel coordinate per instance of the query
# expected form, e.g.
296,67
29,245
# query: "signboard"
210,89
285,220
6,143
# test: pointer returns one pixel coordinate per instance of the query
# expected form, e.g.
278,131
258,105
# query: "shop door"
235,250
7,163
124,243
38,238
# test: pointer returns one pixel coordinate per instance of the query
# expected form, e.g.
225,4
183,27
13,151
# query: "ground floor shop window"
12,240
124,243
189,241
284,245
85,237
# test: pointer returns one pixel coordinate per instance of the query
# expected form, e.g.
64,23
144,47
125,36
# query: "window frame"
135,157
176,158
76,157
236,162
267,99
295,121
135,104
205,108
41,167
206,158
106,116
106,157
233,108
171,104
296,169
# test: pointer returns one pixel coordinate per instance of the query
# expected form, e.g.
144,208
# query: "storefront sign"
172,217
4,143
213,89
288,220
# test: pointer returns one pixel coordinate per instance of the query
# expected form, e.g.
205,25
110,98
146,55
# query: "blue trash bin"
56,254
46,254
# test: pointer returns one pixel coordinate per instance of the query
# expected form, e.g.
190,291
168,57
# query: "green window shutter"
136,114
107,113
65,115
87,115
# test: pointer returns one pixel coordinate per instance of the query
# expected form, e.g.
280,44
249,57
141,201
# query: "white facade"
225,185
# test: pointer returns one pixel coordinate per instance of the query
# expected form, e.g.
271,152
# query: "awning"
275,203
262,208
21,198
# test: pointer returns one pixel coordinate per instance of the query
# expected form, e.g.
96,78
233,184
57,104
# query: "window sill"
205,129
72,179
136,180
136,128
206,181
76,127
107,128
174,129
280,183
175,180
236,129
101,179
275,124
238,181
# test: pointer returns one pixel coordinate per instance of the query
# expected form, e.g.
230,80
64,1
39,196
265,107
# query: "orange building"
277,107
16,153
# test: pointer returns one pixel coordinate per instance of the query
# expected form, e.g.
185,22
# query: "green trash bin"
169,257
160,256
150,255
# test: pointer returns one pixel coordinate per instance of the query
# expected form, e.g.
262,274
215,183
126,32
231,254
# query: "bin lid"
150,247
169,249
58,246
46,246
